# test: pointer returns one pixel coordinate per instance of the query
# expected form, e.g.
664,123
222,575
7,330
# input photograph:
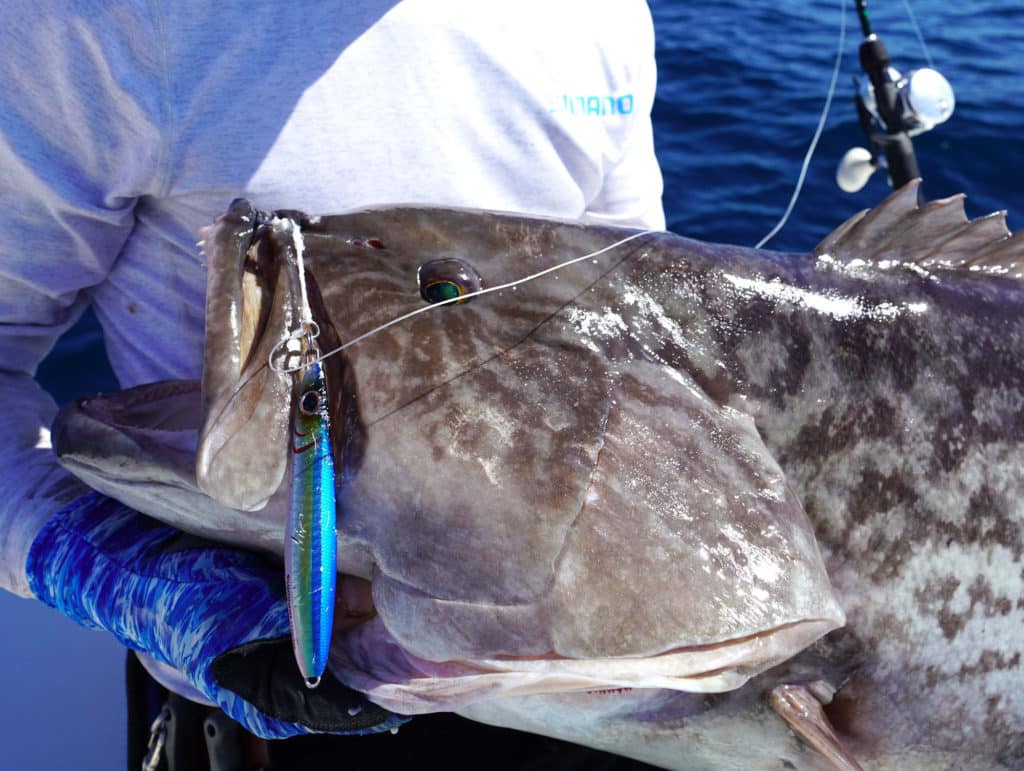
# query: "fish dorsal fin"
936,235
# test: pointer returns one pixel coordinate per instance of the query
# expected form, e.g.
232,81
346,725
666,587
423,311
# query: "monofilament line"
917,31
461,298
817,134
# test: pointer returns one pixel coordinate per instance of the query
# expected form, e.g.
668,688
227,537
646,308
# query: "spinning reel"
892,109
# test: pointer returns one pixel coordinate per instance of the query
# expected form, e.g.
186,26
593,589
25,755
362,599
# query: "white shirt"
125,127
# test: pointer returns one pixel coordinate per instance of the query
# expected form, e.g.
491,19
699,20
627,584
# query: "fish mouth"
138,446
370,660
137,437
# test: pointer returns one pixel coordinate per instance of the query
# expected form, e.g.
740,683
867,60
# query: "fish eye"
309,403
447,279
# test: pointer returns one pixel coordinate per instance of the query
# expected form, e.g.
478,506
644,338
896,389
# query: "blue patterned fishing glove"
215,613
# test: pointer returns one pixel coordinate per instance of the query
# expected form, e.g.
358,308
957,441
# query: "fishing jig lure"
311,539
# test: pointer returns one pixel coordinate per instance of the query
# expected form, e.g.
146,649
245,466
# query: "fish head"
539,503
555,508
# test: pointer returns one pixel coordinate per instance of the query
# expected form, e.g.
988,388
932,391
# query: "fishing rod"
892,109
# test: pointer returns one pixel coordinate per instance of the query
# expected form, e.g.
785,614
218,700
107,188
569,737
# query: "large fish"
701,505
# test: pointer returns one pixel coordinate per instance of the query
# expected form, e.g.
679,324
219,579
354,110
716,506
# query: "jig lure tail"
311,539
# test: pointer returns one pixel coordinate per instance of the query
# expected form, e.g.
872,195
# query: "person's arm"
80,143
78,146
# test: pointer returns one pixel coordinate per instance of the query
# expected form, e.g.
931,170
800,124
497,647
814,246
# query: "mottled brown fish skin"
554,436
892,398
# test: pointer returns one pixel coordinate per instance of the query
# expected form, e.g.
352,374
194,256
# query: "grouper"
700,505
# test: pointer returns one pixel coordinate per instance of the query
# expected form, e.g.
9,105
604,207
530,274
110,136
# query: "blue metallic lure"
311,539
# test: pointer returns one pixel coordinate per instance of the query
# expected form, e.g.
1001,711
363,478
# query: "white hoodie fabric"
126,126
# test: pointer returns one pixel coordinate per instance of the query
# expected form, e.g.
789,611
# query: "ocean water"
741,87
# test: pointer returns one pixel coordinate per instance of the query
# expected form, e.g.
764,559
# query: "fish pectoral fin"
798,706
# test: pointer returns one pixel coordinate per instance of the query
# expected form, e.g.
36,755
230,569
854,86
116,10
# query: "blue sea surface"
741,86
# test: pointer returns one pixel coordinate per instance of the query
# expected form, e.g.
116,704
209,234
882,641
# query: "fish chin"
370,660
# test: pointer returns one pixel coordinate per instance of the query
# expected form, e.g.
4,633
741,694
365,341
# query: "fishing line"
817,134
917,31
462,298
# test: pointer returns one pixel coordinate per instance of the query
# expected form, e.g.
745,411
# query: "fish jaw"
256,300
138,446
668,729
369,659
250,306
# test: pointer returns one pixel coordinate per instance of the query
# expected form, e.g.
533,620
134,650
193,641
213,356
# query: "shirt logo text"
594,105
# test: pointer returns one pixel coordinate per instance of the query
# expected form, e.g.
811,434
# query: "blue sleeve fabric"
185,602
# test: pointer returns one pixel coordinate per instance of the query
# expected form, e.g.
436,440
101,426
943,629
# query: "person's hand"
215,613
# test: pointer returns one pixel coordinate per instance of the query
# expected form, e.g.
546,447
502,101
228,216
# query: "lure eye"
447,279
309,403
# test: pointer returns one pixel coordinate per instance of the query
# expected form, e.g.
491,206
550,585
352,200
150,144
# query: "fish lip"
111,422
116,411
368,659
739,644
149,421
255,297
245,298
92,472
113,444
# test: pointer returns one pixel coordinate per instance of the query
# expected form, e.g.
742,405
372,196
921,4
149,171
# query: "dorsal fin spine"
935,235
